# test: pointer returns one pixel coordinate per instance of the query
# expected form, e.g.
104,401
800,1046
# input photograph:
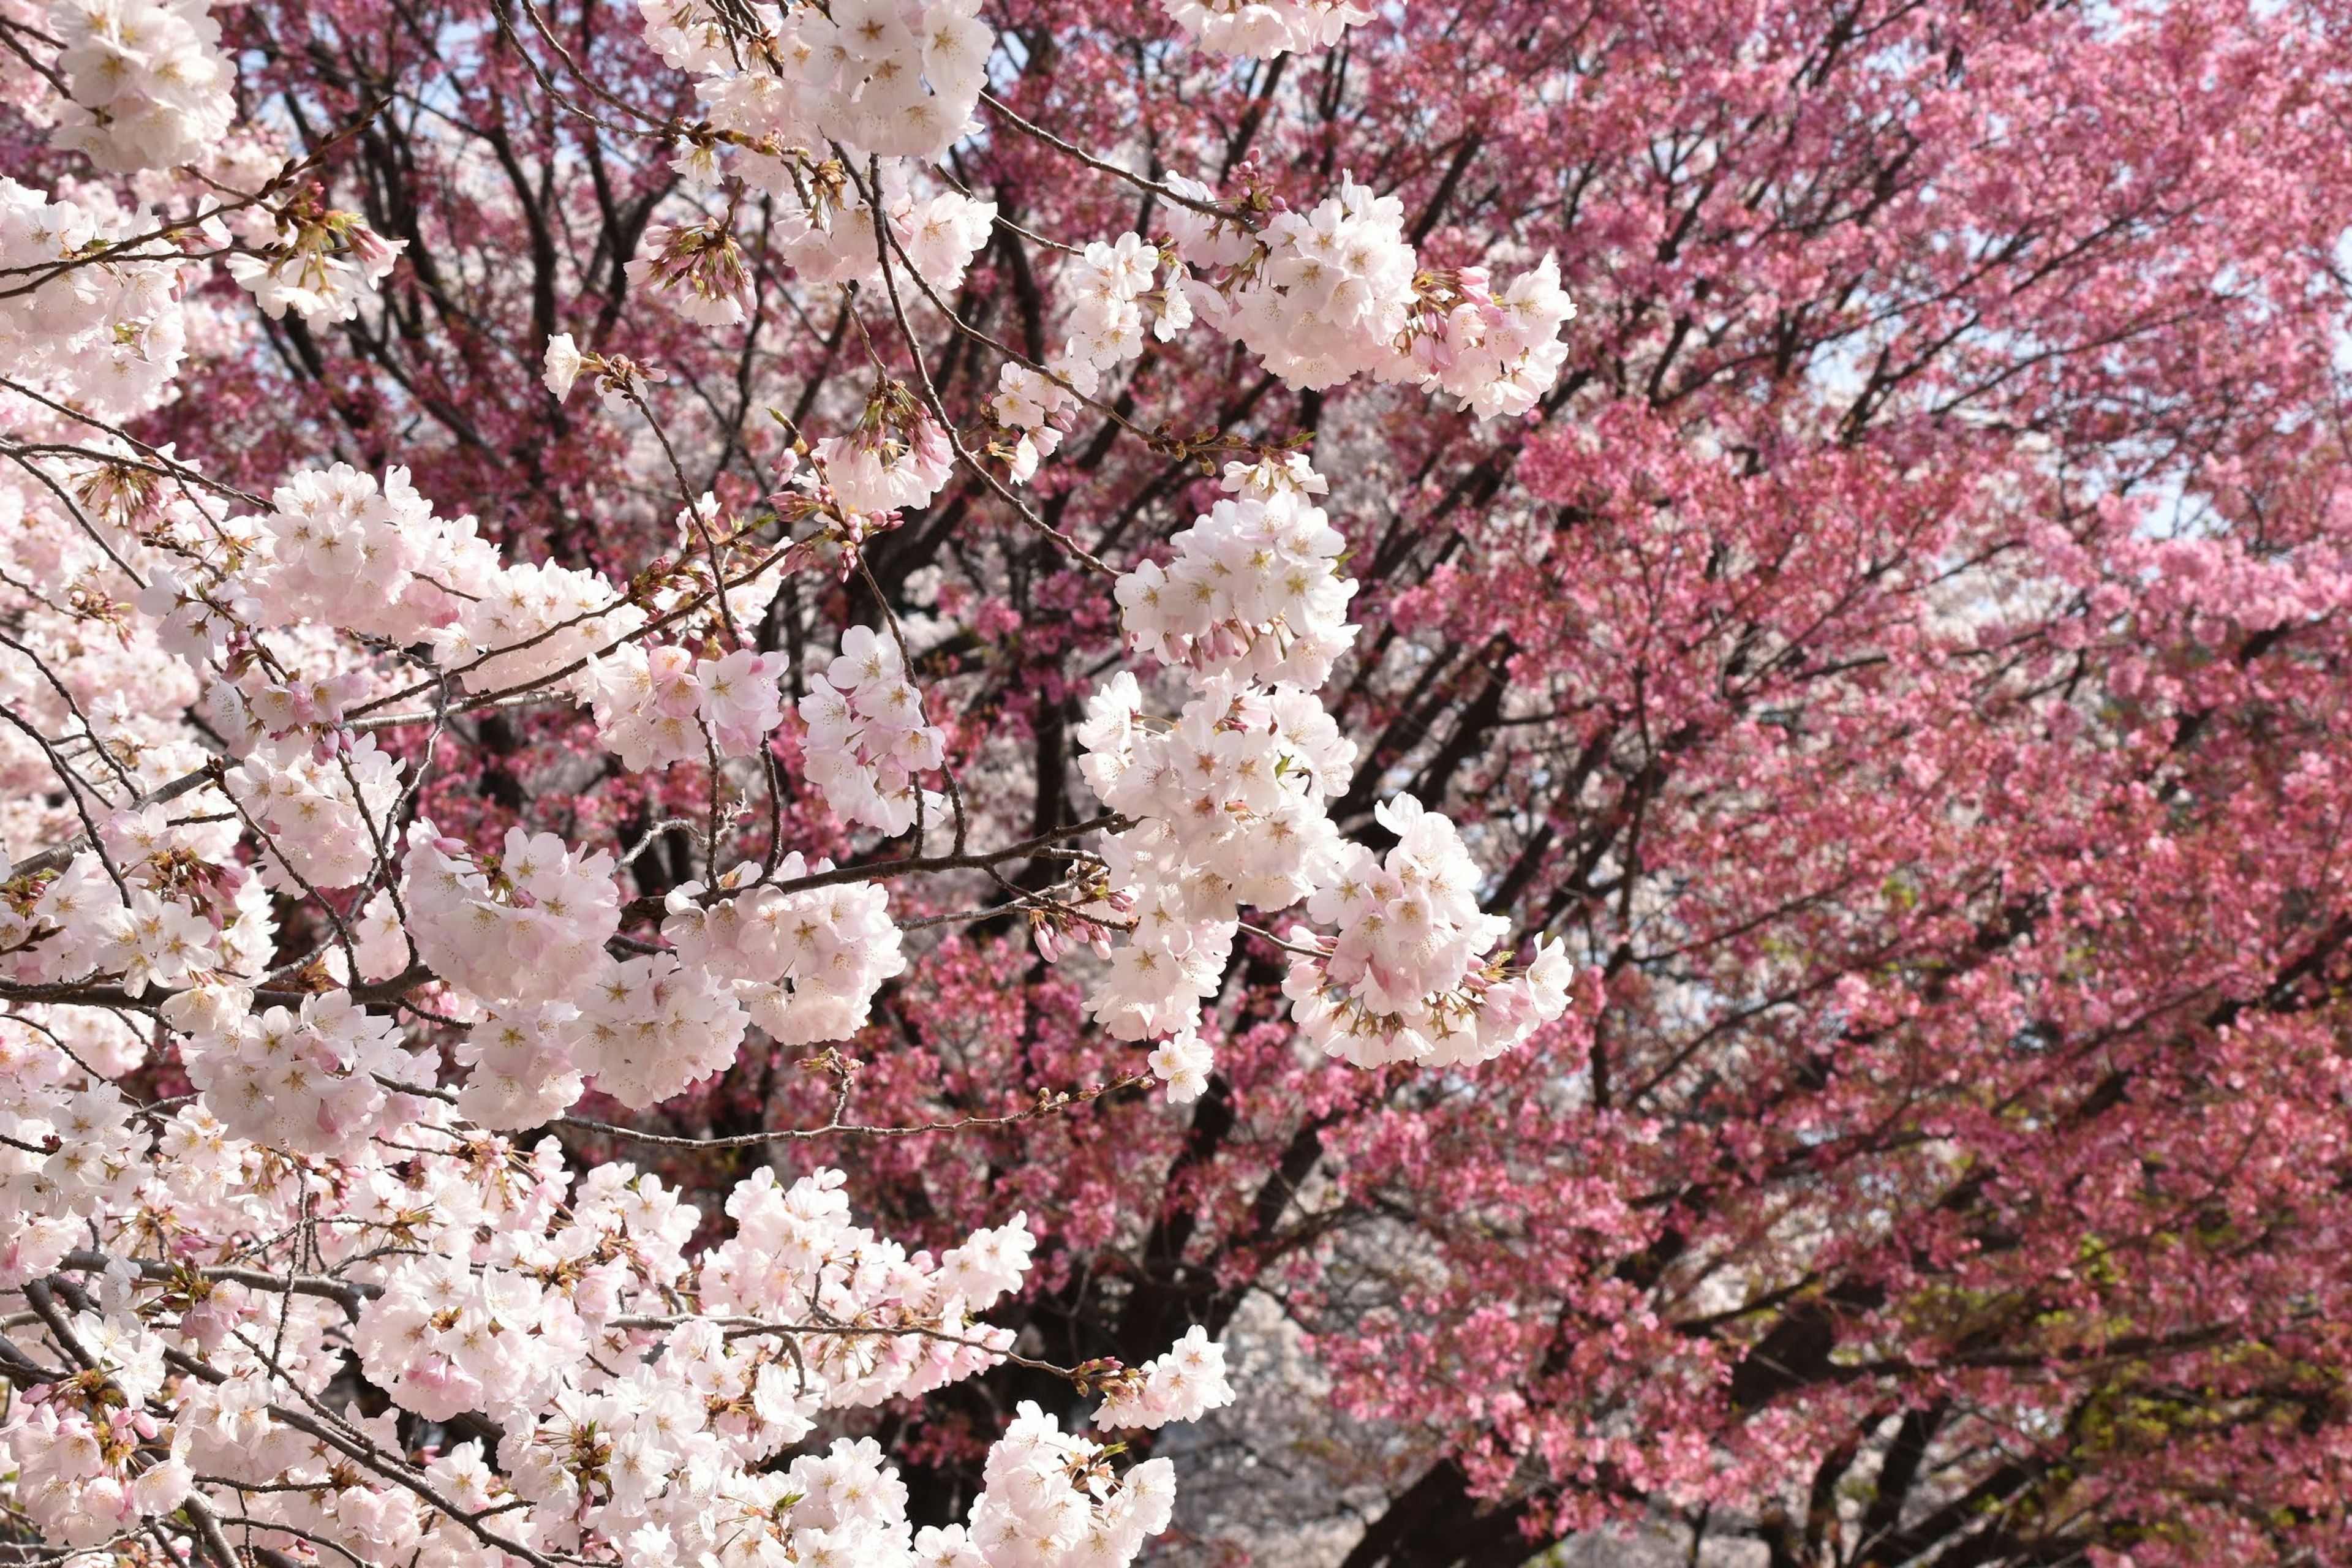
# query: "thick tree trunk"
1436,1523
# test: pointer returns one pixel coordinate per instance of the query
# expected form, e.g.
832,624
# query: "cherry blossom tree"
837,782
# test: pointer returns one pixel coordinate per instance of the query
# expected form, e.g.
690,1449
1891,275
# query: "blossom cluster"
321,268
522,1068
536,934
1229,811
652,1026
149,905
1261,29
897,78
867,745
1114,311
76,1477
1183,1384
647,702
531,623
1322,297
1337,292
1254,589
149,85
1050,1499
637,1399
699,269
326,819
1408,974
229,718
886,464
826,228
533,943
110,334
73,1149
657,704
940,233
340,549
311,1079
806,962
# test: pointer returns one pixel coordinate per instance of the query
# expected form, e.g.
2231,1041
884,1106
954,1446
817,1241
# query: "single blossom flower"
562,365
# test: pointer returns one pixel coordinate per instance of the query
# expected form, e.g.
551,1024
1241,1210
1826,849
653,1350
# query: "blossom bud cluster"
867,744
